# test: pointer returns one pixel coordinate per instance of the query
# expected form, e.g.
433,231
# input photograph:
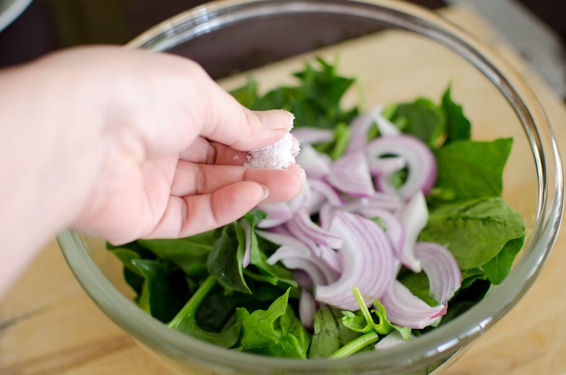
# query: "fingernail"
265,192
278,119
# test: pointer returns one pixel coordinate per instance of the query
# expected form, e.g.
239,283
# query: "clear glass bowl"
398,52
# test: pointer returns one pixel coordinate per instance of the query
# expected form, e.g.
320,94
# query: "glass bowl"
398,51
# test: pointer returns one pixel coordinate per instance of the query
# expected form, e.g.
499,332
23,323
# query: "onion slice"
419,158
307,308
367,260
318,271
350,174
441,268
405,309
413,217
315,164
247,228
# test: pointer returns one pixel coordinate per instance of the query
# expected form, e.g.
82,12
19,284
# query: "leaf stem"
194,302
356,345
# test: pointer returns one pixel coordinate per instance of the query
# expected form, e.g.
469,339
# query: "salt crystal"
279,155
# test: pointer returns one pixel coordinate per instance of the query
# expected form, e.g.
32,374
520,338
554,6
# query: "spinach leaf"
472,169
315,100
464,299
225,260
185,320
330,333
418,284
475,230
339,143
246,94
274,274
458,127
132,275
421,118
189,253
164,289
499,267
276,331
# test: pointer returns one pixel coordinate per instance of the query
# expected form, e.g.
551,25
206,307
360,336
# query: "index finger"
230,123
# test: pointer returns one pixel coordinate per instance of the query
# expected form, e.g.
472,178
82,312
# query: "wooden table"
48,325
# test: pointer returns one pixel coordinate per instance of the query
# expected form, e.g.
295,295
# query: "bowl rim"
433,345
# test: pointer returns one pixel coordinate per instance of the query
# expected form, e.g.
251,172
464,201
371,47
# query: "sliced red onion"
296,230
413,217
361,125
359,128
393,227
331,258
326,215
350,174
324,188
315,164
247,228
319,235
307,308
308,135
277,214
389,202
384,251
314,267
367,260
419,158
386,127
441,268
385,167
281,237
405,309
315,200
303,279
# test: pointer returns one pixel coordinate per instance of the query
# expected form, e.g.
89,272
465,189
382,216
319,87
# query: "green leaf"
315,100
246,94
418,284
363,323
499,267
421,118
189,253
336,148
225,260
276,331
164,289
185,320
274,274
132,275
330,333
475,231
472,169
355,321
458,127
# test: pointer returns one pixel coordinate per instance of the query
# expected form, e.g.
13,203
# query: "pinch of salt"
279,155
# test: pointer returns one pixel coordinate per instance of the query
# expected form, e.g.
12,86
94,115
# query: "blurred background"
31,28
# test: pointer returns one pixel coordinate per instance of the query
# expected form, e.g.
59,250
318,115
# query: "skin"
124,144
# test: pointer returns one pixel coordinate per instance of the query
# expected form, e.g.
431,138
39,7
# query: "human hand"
125,144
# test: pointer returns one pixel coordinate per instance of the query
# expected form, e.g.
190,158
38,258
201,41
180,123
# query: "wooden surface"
49,326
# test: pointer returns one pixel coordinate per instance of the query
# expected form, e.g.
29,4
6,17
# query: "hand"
123,144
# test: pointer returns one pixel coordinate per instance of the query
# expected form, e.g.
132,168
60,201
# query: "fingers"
204,152
243,129
161,101
220,117
197,179
185,216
